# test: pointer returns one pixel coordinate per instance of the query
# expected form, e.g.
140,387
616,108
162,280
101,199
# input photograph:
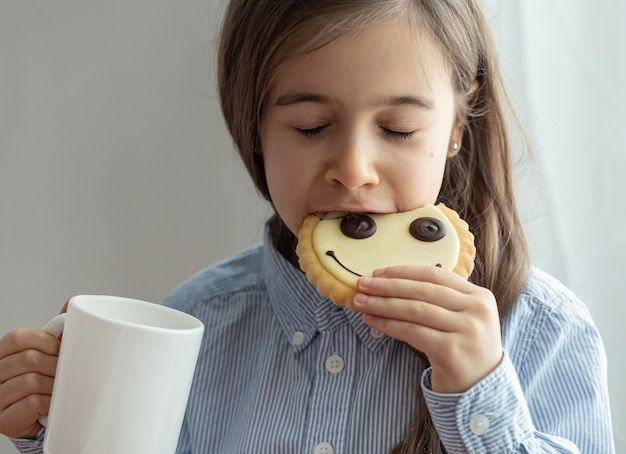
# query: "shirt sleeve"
184,443
490,417
27,446
549,394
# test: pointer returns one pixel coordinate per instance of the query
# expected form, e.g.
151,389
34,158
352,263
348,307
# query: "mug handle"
54,327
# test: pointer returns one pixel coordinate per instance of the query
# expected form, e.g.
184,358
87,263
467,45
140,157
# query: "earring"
454,146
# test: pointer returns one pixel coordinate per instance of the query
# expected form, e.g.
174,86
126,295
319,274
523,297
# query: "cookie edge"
327,285
341,294
467,251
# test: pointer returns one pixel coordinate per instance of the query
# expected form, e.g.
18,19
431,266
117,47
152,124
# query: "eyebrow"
417,101
305,97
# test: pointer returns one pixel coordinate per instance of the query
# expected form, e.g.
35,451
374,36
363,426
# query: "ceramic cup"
123,377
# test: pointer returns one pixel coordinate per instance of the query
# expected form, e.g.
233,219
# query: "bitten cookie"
336,248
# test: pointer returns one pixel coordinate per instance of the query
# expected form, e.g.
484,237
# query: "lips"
350,209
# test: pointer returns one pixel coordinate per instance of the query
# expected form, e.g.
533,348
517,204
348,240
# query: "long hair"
260,35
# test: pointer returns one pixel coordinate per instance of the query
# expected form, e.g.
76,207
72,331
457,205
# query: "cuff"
30,446
492,416
26,446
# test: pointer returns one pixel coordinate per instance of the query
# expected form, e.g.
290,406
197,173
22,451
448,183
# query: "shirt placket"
332,391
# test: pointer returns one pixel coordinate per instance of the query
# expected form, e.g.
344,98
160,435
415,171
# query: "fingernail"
360,298
365,281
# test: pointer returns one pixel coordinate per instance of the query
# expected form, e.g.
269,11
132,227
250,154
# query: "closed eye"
311,132
400,135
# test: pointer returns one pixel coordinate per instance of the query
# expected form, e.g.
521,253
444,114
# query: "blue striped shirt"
283,370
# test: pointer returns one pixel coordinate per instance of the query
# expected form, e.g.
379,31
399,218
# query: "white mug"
123,376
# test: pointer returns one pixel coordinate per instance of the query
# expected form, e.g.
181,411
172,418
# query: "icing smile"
334,256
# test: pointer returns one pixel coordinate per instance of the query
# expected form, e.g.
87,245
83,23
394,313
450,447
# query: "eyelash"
399,135
314,132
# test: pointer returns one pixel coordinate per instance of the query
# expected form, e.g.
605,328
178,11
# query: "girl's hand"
28,360
452,321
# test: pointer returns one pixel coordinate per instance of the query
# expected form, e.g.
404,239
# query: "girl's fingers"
441,295
22,387
22,400
27,350
431,274
413,312
26,339
30,360
422,337
454,322
20,419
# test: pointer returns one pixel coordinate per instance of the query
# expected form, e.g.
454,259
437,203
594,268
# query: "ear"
456,138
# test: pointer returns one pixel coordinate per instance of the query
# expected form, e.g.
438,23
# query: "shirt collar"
300,310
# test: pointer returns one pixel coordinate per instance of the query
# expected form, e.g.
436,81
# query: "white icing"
392,244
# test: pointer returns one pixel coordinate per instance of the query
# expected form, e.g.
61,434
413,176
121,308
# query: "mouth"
338,214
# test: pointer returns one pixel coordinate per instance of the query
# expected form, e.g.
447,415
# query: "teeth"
330,215
334,215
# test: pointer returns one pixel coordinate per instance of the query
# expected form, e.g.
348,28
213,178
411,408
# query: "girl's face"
363,124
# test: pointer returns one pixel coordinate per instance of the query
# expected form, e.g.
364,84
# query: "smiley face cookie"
336,248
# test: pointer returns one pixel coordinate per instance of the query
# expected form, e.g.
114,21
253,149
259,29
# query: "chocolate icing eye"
427,229
358,226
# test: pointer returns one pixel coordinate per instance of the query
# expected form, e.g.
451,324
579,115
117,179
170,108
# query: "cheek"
419,179
282,171
285,191
274,161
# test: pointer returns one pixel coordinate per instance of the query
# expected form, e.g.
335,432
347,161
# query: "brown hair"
260,35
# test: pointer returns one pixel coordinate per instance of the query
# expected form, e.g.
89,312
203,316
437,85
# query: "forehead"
319,30
395,51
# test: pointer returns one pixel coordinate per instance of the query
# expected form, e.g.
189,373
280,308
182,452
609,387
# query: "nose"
353,166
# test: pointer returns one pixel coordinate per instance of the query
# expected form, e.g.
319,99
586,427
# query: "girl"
369,106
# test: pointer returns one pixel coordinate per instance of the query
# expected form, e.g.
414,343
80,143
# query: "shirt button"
479,424
334,364
376,334
298,338
323,448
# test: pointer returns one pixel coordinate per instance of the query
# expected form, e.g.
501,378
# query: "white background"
117,175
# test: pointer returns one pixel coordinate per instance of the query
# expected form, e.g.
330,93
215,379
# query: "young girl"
368,106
